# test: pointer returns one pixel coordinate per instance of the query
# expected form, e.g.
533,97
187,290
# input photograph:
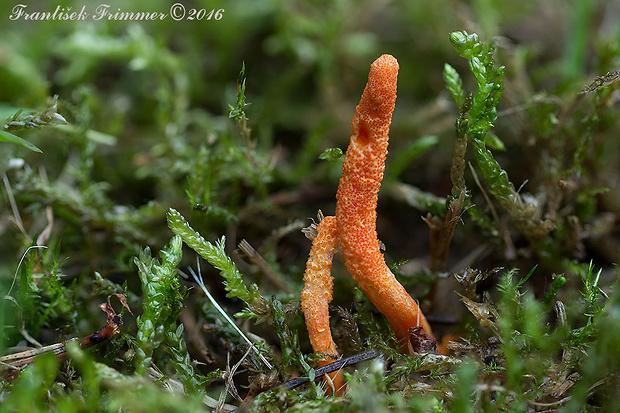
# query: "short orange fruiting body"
317,293
357,196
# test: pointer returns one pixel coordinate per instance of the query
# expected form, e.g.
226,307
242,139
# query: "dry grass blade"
201,284
230,373
19,265
264,266
16,215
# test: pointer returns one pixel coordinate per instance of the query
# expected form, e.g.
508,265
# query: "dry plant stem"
357,196
317,294
264,266
441,235
12,364
194,337
16,216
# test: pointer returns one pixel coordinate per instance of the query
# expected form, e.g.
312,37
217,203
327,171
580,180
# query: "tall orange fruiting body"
357,196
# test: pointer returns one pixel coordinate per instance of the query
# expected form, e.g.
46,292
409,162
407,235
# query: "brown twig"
12,364
193,334
441,234
264,266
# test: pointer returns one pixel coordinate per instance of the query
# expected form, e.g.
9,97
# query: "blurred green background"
149,103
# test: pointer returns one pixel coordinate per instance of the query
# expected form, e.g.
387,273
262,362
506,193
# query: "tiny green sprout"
394,267
454,84
466,45
494,142
180,359
289,342
558,282
527,277
331,154
163,299
434,374
592,292
311,374
238,111
493,366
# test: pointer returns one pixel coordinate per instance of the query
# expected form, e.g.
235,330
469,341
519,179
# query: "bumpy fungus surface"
317,293
357,196
355,222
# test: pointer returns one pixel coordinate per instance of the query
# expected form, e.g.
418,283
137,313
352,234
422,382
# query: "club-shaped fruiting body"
354,225
357,196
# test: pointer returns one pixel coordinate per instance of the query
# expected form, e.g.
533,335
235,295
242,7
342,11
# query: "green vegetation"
212,142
